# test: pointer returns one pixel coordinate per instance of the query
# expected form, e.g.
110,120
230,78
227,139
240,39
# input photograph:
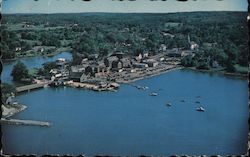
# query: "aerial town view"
139,78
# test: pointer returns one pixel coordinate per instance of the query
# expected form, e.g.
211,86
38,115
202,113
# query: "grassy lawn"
241,69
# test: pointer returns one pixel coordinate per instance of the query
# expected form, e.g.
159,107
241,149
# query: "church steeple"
189,39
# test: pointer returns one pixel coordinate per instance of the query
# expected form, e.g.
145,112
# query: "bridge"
30,87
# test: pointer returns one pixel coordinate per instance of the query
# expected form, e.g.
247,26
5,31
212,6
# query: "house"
140,65
109,60
190,53
126,63
18,48
168,34
210,45
61,63
78,68
118,54
78,76
145,55
215,64
151,62
84,60
193,45
163,48
117,65
175,52
133,70
139,57
92,69
93,56
161,59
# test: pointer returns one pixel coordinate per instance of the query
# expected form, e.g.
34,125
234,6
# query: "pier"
24,122
28,88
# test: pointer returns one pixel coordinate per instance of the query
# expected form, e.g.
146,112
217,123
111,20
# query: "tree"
19,72
6,90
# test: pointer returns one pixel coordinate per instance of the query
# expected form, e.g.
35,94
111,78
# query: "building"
210,45
163,48
140,65
151,62
126,63
118,54
93,56
109,60
78,76
61,63
193,45
117,65
175,52
190,53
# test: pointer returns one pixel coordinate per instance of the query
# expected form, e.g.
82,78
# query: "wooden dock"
28,88
24,122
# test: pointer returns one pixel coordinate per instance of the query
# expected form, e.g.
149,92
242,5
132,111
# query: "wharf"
32,87
24,122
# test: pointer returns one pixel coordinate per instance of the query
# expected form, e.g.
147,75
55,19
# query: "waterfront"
130,122
30,62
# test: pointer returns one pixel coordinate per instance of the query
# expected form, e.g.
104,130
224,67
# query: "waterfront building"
140,65
77,76
151,62
190,53
117,65
126,62
109,60
175,52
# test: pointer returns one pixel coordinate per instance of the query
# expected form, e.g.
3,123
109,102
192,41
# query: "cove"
131,122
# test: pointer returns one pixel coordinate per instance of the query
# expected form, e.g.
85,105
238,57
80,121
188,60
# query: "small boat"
169,104
183,101
197,102
201,109
153,94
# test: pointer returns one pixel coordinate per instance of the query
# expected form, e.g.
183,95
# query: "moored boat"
201,109
169,104
153,94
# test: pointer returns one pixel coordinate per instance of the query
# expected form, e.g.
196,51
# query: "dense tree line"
134,33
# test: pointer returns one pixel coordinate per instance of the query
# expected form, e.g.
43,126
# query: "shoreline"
237,75
38,55
150,75
91,87
11,110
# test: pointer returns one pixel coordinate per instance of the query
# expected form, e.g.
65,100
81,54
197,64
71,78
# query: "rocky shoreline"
10,110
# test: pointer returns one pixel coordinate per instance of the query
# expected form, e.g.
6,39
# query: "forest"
105,33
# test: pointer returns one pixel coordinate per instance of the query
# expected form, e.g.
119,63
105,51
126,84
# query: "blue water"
130,122
30,62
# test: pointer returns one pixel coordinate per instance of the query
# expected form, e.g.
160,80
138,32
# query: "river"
130,122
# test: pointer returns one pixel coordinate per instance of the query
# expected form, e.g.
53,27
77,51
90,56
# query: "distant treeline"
104,33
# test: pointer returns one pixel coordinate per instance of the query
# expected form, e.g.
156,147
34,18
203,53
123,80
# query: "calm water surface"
130,122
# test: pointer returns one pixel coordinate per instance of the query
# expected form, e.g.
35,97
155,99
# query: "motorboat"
153,94
201,109
169,104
